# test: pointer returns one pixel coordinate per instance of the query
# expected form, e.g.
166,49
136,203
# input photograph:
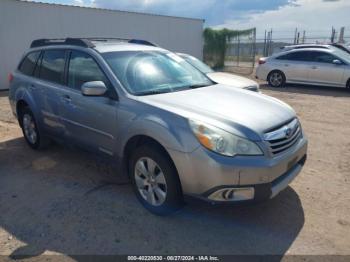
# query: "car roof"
301,50
330,50
101,45
307,46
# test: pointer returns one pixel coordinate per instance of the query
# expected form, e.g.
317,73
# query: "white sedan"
313,66
221,77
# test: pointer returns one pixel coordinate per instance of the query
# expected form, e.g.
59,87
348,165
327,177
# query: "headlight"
222,142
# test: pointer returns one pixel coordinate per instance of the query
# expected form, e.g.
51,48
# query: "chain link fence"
244,50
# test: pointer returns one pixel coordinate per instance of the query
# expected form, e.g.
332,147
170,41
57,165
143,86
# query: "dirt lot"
58,201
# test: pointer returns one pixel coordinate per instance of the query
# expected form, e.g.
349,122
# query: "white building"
21,22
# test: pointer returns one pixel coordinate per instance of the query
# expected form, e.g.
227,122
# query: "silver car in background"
221,77
174,131
313,66
342,47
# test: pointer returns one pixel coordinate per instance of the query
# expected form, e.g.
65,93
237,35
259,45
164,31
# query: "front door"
324,71
89,120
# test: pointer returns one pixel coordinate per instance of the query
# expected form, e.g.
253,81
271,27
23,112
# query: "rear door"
25,79
90,120
324,71
295,65
49,74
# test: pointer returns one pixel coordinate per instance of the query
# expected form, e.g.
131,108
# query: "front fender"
173,134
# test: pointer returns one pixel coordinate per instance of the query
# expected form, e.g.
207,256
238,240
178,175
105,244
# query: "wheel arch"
140,140
348,84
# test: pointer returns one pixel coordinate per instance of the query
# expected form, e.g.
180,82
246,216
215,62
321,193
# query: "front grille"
284,137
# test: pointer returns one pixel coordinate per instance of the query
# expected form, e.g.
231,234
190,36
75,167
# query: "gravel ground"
59,200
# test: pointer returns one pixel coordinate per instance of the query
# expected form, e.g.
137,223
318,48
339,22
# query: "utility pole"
295,35
304,34
341,35
333,35
264,51
254,47
298,37
270,46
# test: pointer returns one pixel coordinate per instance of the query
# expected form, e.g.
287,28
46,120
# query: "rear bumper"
261,72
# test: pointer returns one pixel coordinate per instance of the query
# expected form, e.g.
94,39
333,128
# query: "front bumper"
203,172
265,191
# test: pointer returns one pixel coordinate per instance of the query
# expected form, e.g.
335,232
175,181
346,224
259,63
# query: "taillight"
10,77
261,61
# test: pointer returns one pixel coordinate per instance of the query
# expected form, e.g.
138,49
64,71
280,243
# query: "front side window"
152,72
28,64
82,69
52,66
322,57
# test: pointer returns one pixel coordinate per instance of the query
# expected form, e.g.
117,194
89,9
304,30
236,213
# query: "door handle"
286,65
66,98
31,86
314,67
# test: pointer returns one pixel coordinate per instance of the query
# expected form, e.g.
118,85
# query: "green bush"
215,44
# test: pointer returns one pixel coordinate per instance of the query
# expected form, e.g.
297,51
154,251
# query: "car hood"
231,79
242,112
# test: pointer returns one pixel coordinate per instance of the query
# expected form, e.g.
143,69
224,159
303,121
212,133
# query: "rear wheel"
155,180
348,85
30,130
276,79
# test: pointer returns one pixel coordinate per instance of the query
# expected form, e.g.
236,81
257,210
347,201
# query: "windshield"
153,72
198,64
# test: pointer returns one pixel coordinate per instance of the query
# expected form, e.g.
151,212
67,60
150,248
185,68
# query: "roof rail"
85,42
128,40
67,41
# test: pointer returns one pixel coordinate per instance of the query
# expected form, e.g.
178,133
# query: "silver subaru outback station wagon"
174,131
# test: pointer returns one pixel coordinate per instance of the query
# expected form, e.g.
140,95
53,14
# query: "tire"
158,191
30,130
276,78
348,85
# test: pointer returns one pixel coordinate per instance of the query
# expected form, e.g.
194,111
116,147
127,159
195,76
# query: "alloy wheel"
150,181
30,129
276,79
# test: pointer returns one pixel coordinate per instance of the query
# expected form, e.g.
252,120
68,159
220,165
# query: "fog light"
233,194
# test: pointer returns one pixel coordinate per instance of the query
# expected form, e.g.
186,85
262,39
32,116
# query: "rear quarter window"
28,63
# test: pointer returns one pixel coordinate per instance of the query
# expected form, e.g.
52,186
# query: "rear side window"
82,69
52,66
28,64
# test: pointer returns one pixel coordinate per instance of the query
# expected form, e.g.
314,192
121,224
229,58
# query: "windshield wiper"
152,92
197,86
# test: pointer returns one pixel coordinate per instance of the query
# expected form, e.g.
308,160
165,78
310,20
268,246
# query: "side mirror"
337,62
94,88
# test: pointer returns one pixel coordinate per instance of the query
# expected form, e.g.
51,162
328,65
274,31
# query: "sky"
315,16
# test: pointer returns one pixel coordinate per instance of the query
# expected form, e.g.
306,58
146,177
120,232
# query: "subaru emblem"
288,132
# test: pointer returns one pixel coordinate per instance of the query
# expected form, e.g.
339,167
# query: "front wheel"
276,79
155,180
